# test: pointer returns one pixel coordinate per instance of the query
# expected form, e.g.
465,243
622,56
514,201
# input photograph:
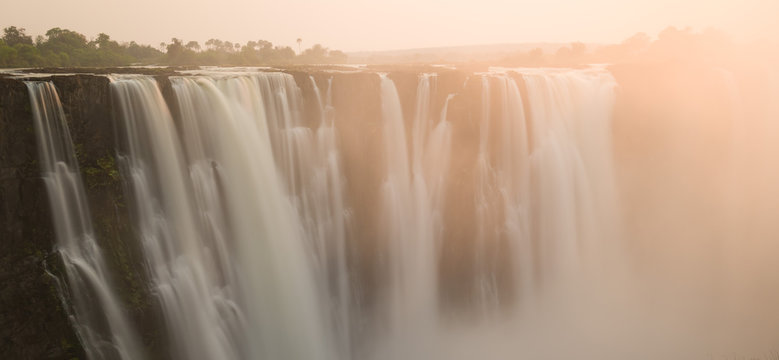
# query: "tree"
316,54
536,56
266,53
337,57
8,55
175,48
639,41
214,44
142,53
102,40
63,41
13,35
63,47
193,45
29,55
578,49
563,54
177,53
283,54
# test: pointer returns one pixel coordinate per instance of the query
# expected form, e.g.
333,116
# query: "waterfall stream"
97,312
243,206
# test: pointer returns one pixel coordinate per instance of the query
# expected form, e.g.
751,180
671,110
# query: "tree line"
671,44
218,52
67,48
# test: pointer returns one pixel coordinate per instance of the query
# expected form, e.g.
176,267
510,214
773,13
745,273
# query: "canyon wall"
647,131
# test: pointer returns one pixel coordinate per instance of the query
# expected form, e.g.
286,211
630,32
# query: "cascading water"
321,202
543,190
412,198
569,208
244,211
224,240
97,312
574,205
198,304
504,176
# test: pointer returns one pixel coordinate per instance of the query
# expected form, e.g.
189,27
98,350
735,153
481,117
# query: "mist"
383,181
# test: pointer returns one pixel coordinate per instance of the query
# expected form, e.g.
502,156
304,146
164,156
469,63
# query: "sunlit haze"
397,180
355,25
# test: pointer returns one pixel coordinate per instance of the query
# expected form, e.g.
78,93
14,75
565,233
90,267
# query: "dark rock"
35,326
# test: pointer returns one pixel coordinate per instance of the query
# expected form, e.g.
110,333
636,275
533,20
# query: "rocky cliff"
35,325
35,321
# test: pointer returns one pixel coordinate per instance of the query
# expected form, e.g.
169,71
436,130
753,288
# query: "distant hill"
466,53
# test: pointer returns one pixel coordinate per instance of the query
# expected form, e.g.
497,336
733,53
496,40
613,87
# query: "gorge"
385,213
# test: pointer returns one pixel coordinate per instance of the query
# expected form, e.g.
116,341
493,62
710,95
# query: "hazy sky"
353,25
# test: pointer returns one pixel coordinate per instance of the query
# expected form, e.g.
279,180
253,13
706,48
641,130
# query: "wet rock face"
34,325
38,326
87,103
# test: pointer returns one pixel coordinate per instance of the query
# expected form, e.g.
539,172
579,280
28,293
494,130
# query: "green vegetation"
218,52
62,47
104,174
66,48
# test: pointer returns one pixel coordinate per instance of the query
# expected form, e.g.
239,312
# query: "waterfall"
400,223
485,197
543,192
504,176
97,313
198,304
225,243
411,198
326,214
239,192
571,166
